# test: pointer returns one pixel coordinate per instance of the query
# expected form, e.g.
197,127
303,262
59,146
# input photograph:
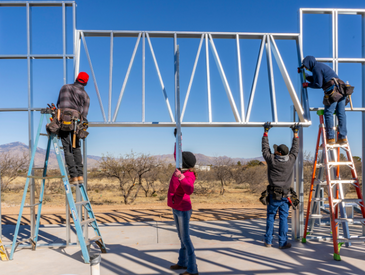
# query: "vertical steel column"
177,105
64,43
110,76
295,221
363,104
240,78
208,78
0,209
84,155
143,77
335,40
271,79
30,119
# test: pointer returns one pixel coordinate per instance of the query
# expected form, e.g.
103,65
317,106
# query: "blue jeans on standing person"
272,209
341,115
186,254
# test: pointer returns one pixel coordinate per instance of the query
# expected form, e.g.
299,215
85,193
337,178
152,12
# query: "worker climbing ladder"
3,253
78,222
330,166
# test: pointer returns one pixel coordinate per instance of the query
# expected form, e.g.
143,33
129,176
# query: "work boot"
80,179
342,141
188,273
331,141
74,180
176,267
268,245
288,245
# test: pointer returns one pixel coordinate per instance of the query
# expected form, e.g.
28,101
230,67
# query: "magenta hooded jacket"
178,196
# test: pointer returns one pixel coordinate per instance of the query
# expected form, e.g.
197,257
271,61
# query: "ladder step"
81,203
347,200
38,168
350,220
352,239
336,163
46,177
43,134
316,216
92,220
345,145
93,239
32,205
320,199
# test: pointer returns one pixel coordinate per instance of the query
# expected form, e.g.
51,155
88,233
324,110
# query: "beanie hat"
189,160
82,78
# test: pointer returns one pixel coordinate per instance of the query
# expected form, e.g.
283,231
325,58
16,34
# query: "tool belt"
278,193
67,119
334,90
81,130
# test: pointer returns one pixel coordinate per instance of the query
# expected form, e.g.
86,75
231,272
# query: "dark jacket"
280,168
321,73
73,96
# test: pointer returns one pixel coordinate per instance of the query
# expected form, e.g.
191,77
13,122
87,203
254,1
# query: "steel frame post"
177,105
270,73
363,105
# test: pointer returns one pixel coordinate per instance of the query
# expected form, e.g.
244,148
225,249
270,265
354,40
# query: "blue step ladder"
78,222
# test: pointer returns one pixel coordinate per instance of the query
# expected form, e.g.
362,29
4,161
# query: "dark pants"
73,156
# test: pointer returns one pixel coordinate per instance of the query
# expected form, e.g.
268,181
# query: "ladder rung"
347,200
81,203
350,220
320,199
93,239
352,239
337,145
92,220
46,177
38,168
32,205
343,181
336,163
315,216
43,134
319,165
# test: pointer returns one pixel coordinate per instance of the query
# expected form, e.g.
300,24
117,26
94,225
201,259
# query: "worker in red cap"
73,103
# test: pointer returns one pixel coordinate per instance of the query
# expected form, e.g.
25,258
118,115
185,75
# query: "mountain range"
19,148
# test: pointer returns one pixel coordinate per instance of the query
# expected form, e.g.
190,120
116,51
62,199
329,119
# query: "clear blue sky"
166,15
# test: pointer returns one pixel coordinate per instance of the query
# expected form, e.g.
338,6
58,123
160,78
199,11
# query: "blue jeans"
186,254
272,209
341,115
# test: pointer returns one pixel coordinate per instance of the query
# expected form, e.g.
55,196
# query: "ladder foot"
304,240
337,257
101,246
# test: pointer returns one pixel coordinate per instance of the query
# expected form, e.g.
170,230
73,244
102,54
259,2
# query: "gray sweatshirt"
280,169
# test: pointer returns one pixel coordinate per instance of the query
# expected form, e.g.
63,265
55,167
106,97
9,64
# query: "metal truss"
242,117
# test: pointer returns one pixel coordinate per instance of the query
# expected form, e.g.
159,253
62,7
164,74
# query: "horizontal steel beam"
341,60
329,11
19,109
347,109
37,56
36,4
186,34
194,124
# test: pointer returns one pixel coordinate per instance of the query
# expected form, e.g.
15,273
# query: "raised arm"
266,152
295,144
317,79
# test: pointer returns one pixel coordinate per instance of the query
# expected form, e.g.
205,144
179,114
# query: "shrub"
162,198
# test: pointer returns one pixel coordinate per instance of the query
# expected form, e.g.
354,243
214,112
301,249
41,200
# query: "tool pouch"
66,121
264,199
331,96
81,130
276,192
53,127
294,198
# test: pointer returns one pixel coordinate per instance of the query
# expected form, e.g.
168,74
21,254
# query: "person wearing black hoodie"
322,78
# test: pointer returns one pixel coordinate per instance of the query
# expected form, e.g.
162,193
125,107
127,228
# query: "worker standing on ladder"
324,77
73,103
280,169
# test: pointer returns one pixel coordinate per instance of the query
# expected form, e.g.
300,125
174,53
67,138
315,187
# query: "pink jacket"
178,196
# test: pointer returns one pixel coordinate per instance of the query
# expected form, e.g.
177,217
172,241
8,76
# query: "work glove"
178,174
300,70
175,133
305,84
267,126
295,128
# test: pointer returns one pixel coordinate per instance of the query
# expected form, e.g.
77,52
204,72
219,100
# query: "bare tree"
11,166
150,179
223,171
165,172
120,169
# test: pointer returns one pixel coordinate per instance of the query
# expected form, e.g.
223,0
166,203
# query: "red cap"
82,78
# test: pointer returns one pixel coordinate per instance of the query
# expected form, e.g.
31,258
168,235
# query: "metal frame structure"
241,114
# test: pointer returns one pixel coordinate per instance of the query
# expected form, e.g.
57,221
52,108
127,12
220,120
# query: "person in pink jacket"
178,198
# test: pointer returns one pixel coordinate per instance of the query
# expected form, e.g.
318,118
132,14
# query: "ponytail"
194,171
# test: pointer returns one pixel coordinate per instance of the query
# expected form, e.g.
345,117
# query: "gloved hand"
295,128
267,126
305,84
299,70
178,174
175,133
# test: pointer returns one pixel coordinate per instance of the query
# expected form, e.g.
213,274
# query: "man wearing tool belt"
280,169
74,102
323,77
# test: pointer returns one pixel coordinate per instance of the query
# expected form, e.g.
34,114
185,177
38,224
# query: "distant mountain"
19,148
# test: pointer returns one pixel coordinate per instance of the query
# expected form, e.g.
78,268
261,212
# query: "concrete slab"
222,247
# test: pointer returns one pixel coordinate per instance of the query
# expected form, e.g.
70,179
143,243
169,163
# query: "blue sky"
167,15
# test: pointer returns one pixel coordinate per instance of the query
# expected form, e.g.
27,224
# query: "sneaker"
188,273
74,180
268,245
288,245
80,179
331,141
342,141
176,267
